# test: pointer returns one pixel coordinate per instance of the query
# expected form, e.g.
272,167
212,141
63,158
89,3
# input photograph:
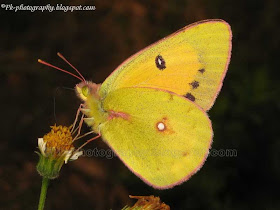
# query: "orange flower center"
59,139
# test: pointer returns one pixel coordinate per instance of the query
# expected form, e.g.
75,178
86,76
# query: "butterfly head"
85,89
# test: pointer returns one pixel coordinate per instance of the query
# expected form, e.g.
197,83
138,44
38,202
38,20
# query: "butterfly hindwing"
162,137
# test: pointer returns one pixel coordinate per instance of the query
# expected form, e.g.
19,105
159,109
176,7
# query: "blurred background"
244,116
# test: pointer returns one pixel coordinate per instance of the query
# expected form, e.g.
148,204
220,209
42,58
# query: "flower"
59,142
147,203
56,148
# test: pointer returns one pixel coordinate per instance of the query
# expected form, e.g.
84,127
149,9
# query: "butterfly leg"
80,126
76,118
96,137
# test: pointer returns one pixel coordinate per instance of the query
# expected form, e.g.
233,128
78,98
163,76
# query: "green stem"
44,188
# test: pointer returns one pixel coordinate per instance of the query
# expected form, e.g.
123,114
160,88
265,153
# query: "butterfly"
152,109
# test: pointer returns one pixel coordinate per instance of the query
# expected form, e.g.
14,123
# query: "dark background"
244,117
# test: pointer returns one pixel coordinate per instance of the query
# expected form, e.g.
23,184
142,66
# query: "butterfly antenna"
55,67
63,58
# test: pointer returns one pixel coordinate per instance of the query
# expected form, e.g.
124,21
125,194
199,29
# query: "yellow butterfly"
152,109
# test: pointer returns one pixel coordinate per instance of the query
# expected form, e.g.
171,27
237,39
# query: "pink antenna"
67,72
63,58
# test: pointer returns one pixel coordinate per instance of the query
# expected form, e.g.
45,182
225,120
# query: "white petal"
76,155
42,146
67,155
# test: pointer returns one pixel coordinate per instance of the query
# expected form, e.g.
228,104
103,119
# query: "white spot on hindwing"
160,126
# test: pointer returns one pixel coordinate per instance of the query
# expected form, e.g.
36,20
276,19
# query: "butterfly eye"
82,90
85,91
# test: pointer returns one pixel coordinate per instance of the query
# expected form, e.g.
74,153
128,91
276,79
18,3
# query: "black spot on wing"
201,71
160,62
190,96
194,84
